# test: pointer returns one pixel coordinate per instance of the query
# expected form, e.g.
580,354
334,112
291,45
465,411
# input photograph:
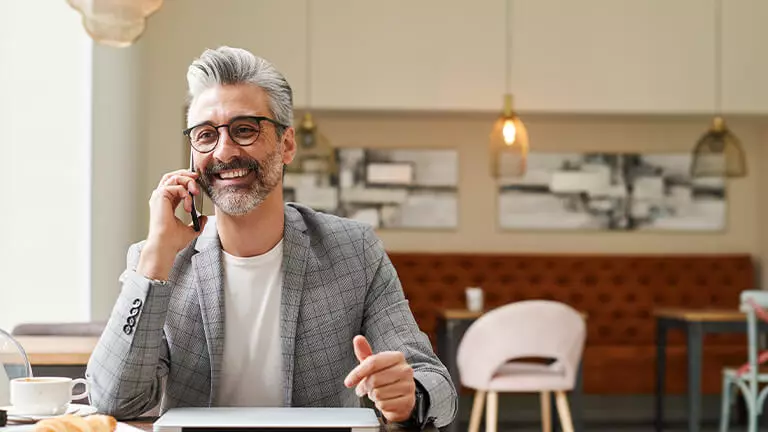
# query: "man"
271,304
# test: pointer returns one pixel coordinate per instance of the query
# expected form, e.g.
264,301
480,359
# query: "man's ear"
289,145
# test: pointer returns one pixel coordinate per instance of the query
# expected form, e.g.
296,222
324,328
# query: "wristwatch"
419,419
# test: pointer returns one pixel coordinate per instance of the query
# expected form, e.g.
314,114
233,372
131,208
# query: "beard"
237,200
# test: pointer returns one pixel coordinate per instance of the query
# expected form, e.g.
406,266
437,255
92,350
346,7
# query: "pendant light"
718,153
116,23
314,152
509,137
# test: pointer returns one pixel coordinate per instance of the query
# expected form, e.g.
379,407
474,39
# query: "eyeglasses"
243,130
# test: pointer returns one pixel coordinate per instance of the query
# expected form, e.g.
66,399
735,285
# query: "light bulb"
509,131
508,143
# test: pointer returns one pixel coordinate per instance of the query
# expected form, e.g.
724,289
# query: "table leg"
577,401
447,347
695,336
661,372
454,338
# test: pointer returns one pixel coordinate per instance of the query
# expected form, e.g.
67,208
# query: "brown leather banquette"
618,292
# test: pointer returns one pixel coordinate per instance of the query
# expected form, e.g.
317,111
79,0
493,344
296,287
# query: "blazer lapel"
295,249
209,281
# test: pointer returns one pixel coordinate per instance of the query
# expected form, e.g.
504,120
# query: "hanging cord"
718,57
308,78
507,44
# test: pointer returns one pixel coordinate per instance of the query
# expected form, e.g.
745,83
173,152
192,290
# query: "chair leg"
477,411
546,412
564,411
752,425
751,403
726,405
491,411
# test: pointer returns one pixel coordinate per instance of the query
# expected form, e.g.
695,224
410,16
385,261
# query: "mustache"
238,163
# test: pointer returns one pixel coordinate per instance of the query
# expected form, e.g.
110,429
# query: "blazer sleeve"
389,325
127,366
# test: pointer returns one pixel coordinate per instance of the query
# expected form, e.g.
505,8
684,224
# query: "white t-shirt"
252,373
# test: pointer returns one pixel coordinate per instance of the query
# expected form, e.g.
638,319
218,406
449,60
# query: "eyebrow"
210,122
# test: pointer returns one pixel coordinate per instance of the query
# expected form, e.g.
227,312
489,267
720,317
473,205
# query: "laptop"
220,419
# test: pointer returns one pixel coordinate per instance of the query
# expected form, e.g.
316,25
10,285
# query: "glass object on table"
13,364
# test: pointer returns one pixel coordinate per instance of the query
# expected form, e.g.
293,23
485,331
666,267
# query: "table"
451,326
145,424
696,323
58,350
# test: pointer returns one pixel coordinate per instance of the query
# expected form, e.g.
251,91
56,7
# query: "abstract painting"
386,188
611,191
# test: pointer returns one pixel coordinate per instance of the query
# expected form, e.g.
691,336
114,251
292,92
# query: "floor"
520,413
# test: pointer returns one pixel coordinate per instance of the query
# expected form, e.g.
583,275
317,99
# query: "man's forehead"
221,103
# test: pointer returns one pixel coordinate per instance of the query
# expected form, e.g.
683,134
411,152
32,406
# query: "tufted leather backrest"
618,292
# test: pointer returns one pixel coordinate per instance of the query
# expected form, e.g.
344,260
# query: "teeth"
233,174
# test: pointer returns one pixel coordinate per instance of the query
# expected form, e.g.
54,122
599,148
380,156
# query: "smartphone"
195,218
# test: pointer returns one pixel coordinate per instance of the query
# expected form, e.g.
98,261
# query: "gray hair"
226,65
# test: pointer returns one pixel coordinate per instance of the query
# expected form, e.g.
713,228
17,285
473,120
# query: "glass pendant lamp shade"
509,137
116,23
718,153
508,143
314,152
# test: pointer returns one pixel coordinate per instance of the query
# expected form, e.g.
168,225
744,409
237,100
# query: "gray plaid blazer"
164,344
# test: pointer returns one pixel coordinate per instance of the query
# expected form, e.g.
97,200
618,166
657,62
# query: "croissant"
73,423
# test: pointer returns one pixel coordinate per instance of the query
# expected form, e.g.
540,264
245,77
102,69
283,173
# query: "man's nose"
226,149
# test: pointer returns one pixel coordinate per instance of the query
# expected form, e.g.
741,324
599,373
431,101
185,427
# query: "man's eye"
245,130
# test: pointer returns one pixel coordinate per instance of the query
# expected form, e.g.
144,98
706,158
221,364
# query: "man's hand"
386,378
168,234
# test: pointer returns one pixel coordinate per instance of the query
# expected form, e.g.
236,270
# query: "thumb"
362,348
189,231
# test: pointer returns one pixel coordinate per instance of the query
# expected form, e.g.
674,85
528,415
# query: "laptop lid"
241,419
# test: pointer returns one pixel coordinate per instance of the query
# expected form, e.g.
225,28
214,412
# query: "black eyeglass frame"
257,119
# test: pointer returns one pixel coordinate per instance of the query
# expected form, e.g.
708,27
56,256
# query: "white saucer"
75,409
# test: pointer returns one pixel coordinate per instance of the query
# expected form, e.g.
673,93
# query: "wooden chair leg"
546,412
564,411
477,411
491,411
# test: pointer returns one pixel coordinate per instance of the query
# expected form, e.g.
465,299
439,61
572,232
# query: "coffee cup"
474,299
44,395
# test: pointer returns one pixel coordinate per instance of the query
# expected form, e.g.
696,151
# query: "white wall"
6,38
45,147
118,141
